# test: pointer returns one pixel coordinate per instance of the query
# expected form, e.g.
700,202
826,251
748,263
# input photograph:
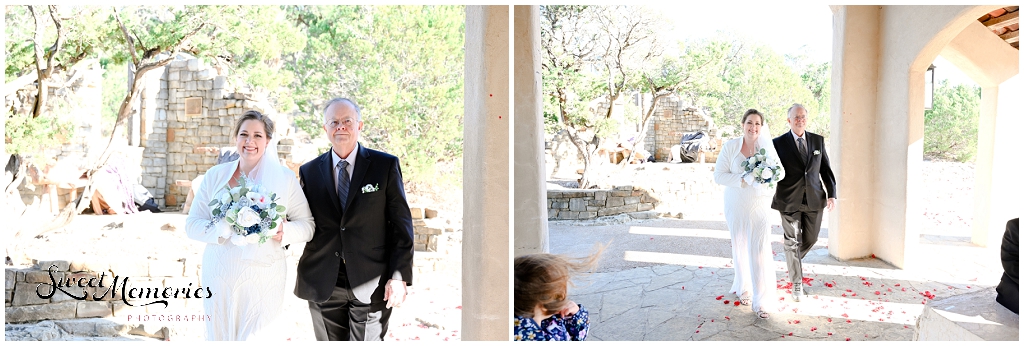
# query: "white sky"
784,27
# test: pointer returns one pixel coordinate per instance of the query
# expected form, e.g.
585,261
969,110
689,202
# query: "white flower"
817,152
272,213
238,240
247,217
766,174
236,190
253,238
370,188
225,198
751,160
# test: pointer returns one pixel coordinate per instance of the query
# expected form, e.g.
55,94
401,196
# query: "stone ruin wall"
671,119
187,113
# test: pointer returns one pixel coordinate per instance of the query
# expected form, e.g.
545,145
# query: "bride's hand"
280,231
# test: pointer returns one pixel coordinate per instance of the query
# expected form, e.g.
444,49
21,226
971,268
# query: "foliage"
951,126
115,85
30,136
403,65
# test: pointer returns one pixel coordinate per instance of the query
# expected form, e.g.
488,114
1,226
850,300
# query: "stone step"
968,317
86,329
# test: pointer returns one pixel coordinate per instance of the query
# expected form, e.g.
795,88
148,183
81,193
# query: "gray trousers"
800,232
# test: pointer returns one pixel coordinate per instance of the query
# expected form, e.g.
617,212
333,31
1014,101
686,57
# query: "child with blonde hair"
542,310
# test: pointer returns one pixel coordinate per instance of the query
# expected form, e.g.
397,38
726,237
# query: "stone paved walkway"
669,279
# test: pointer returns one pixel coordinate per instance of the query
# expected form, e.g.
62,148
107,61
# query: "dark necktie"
343,182
803,149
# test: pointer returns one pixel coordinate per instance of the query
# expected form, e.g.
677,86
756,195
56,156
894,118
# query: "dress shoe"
798,292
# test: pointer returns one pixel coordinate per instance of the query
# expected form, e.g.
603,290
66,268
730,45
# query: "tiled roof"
1004,22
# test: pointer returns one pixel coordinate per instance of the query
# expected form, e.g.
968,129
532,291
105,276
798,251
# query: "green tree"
951,126
402,64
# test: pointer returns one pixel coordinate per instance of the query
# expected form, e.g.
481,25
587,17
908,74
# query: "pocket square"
371,188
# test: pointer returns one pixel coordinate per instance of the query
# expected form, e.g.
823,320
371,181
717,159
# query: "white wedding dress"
746,214
247,282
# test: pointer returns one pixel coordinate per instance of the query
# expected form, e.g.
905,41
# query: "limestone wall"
23,304
671,119
679,189
580,204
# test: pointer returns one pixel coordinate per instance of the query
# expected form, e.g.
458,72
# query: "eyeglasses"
334,124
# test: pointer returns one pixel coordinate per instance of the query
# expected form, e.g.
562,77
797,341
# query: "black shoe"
798,292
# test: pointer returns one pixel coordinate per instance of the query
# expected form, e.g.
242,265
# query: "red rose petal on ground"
682,288
849,290
872,255
905,327
848,321
790,333
854,294
727,318
897,285
844,294
814,328
968,286
712,320
459,307
847,339
719,297
829,333
904,289
736,303
830,320
845,315
700,267
878,293
726,302
697,331
796,321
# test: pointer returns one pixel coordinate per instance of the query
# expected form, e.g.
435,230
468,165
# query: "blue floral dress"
554,328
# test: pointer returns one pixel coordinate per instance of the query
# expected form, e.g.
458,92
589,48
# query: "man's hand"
571,308
394,293
831,204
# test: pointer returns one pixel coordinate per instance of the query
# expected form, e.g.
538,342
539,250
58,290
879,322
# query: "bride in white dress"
247,281
746,213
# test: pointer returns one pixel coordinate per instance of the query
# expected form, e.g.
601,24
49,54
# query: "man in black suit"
799,197
359,261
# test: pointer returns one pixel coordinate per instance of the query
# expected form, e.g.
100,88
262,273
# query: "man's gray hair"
359,115
789,113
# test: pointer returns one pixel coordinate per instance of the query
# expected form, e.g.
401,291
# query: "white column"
854,76
531,224
485,267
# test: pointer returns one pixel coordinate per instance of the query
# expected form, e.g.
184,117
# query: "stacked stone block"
671,119
582,204
427,228
691,187
23,304
180,146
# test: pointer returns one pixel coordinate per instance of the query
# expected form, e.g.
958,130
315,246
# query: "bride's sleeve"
723,176
197,225
299,228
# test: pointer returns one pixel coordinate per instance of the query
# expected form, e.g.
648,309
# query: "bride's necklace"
749,153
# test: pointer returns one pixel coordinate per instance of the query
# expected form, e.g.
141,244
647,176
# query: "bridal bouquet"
250,210
763,169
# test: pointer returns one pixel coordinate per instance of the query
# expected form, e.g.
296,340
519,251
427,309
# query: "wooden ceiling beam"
1002,21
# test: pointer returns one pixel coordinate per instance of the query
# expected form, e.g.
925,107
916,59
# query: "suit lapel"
358,173
327,173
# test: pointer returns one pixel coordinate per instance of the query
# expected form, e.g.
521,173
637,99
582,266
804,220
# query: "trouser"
800,232
343,317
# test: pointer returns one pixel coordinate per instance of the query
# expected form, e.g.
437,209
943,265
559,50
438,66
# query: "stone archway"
880,54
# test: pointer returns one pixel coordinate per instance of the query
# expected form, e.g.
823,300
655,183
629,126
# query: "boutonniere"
371,188
817,152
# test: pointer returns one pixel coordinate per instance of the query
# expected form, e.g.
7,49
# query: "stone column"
996,191
854,75
485,264
531,225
